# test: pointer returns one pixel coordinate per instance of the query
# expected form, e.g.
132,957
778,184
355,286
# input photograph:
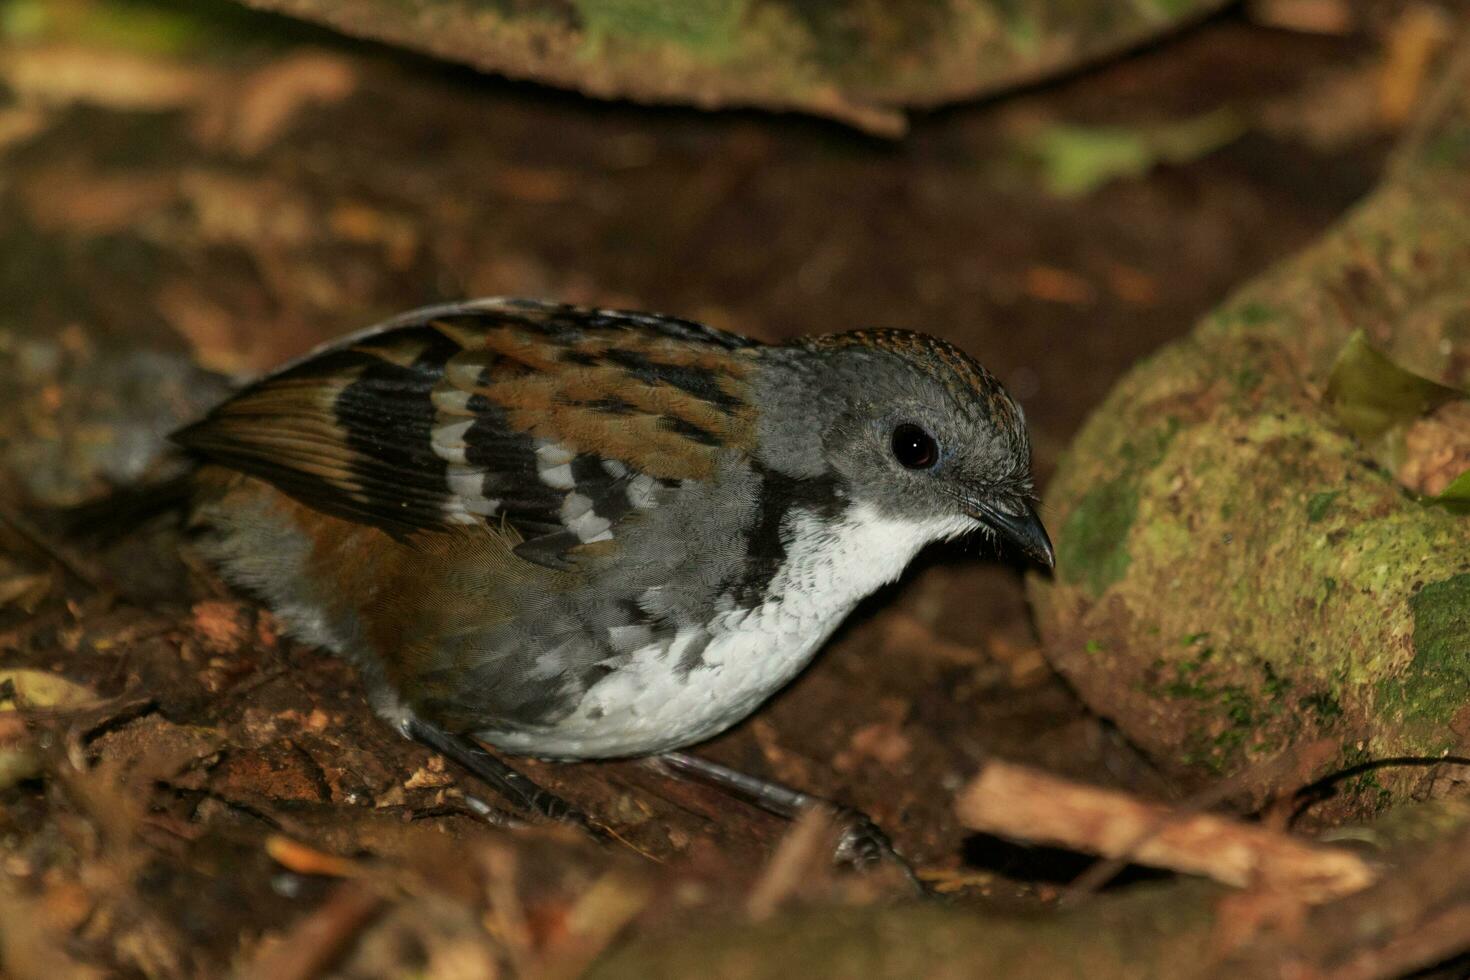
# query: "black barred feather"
558,421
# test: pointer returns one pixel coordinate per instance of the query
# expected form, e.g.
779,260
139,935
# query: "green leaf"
1076,160
1372,396
35,689
1456,496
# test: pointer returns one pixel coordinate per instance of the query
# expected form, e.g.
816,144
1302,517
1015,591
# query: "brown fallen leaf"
908,635
595,919
882,741
63,74
803,856
1055,285
24,590
1419,33
19,123
1133,286
220,625
232,210
434,773
318,939
255,113
31,951
81,202
396,234
1333,17
534,185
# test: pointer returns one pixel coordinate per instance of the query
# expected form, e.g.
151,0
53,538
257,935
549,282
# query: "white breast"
650,705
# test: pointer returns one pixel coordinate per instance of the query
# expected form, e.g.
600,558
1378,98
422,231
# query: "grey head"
909,425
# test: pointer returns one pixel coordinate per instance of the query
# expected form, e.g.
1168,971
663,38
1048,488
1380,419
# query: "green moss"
1093,545
1318,503
1092,549
842,33
711,27
1248,314
1247,379
1436,684
1450,148
1173,8
1323,705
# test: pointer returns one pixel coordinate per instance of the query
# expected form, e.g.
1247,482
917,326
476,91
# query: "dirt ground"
233,214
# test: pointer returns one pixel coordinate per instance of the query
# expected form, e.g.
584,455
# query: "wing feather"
558,421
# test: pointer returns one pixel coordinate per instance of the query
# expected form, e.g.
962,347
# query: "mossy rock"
853,60
1236,573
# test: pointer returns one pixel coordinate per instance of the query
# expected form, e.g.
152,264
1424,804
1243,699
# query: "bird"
575,533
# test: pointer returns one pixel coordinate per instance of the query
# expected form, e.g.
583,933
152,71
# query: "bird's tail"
123,509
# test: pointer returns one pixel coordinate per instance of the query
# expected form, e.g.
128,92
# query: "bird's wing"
556,421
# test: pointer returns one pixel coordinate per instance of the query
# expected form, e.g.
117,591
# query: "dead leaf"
254,114
29,949
222,626
909,636
397,235
1332,17
1054,285
431,775
19,123
1418,34
1331,112
234,210
882,741
62,75
1133,286
24,590
534,185
83,203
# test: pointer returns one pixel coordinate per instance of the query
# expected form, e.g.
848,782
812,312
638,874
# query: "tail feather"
124,509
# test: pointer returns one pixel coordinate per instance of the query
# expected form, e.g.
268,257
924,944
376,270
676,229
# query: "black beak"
1018,523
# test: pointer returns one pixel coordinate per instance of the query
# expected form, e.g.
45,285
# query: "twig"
83,571
1415,916
319,939
1407,155
592,923
1266,775
808,846
1024,804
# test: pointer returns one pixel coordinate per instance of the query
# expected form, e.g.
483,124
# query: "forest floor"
232,204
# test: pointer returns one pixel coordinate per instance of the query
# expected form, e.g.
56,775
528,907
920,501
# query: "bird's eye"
914,448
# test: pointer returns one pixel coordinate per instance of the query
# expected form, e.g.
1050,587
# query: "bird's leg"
863,843
510,783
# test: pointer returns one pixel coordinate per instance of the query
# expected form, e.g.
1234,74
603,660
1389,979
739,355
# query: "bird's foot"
862,844
512,784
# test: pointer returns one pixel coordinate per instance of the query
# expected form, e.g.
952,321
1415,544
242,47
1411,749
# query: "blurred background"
192,192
